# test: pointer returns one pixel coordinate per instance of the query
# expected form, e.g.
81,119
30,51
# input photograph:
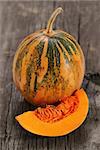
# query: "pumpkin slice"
33,124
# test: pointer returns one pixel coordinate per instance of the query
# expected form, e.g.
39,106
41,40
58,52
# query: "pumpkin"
48,69
30,122
48,65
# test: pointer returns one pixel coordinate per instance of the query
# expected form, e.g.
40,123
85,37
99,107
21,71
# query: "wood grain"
17,20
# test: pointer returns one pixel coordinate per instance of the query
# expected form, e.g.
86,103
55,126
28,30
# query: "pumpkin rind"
64,126
46,68
48,65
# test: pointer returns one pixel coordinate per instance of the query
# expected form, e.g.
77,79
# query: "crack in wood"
6,134
79,25
86,58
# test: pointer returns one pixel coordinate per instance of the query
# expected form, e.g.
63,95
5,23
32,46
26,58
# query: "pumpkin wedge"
30,122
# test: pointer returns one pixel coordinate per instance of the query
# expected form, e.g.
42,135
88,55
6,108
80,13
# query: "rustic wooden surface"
18,19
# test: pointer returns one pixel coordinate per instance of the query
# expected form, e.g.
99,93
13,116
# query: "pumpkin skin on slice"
62,127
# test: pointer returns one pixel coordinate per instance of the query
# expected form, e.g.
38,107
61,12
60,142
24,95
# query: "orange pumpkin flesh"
33,124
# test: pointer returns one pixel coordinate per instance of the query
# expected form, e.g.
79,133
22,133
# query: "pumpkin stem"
52,19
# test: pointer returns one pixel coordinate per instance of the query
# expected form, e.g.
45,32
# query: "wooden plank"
17,20
90,33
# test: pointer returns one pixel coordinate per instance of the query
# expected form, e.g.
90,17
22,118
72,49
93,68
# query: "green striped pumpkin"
48,65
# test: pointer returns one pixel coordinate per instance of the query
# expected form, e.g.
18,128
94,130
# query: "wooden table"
17,20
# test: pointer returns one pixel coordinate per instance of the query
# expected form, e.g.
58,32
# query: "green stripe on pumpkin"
23,50
65,44
31,67
50,75
56,54
20,58
65,56
50,56
76,45
21,55
26,62
71,41
35,84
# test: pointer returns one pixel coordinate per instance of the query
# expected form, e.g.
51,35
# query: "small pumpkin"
49,67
